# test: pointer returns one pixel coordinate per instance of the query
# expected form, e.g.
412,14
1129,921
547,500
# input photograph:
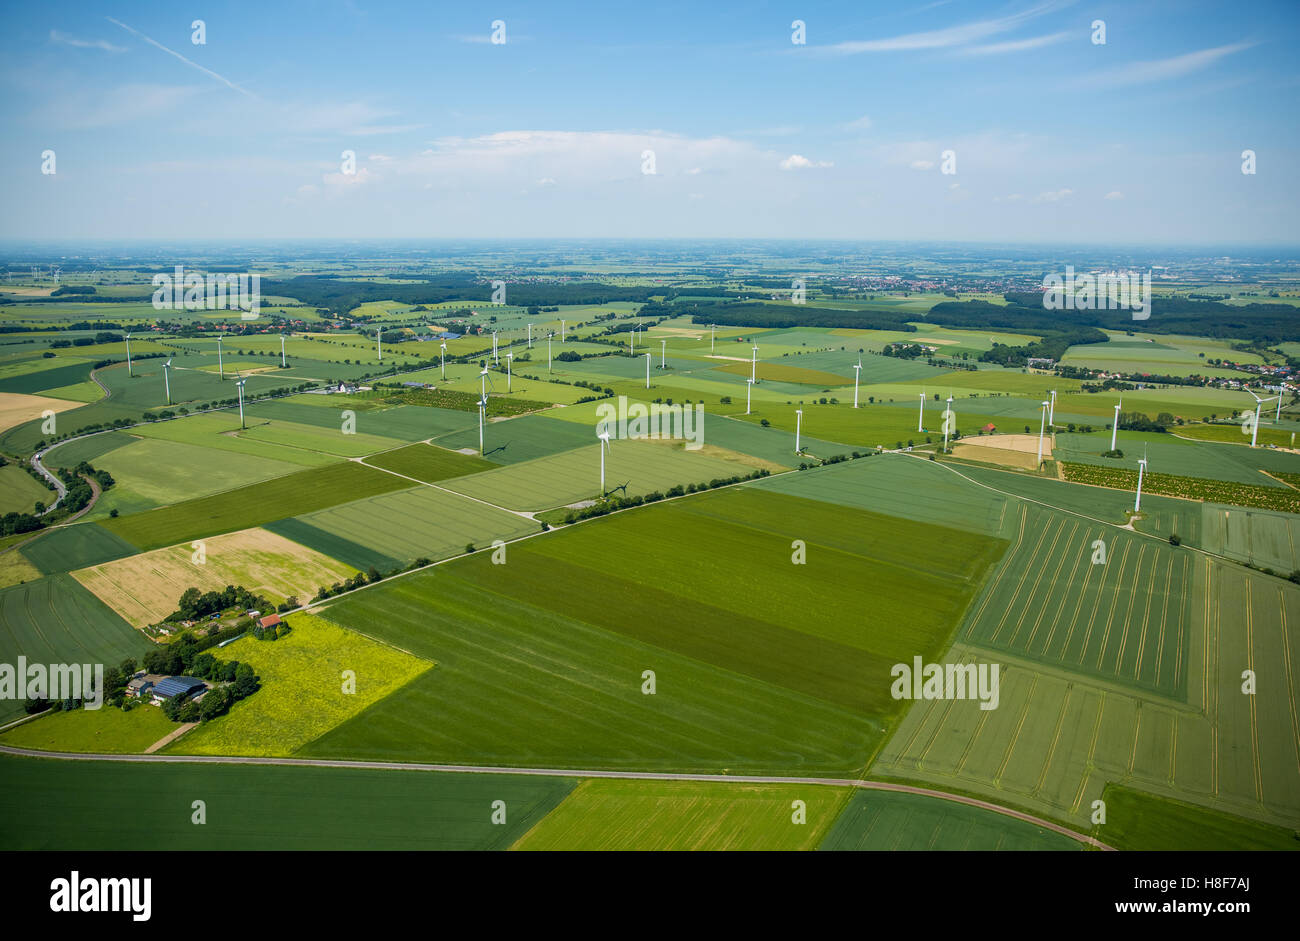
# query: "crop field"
428,462
291,495
314,439
1139,821
19,491
401,527
1125,619
1231,433
220,432
520,632
145,588
1057,739
1189,488
574,475
601,814
301,695
1270,540
63,805
525,438
16,408
55,620
106,730
1189,458
895,821
163,472
72,547
786,372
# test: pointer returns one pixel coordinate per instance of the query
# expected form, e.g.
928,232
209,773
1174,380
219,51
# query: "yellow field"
1027,444
16,408
145,588
1005,458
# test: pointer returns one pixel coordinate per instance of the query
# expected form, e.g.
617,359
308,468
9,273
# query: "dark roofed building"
170,687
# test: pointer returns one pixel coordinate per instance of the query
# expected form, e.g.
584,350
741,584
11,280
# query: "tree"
245,682
215,703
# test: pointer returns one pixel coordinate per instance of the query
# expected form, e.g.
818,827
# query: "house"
989,428
271,620
176,687
142,684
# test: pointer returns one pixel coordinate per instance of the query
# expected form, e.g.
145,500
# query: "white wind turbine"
548,351
1259,408
632,336
221,369
749,389
530,336
510,358
128,356
713,328
1042,426
648,358
379,342
283,361
949,424
604,446
561,331
920,419
798,426
1114,426
857,374
1142,466
496,359
167,382
663,354
239,387
1051,411
444,360
753,364
482,414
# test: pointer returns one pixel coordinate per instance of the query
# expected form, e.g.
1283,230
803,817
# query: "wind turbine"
648,357
798,424
947,421
857,374
663,354
221,369
632,335
604,446
561,331
920,420
496,359
239,385
510,358
712,332
128,355
1051,413
1114,427
1142,466
283,362
167,368
530,336
482,413
1259,407
753,364
548,350
749,388
1042,426
379,340
444,360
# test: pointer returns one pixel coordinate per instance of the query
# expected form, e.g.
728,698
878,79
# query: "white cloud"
861,124
1159,70
694,171
1114,194
66,40
89,106
379,158
1018,45
800,162
546,181
363,175
1052,196
194,65
922,164
944,38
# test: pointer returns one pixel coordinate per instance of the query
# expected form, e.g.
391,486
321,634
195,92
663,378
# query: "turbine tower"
1042,425
1114,427
444,360
379,342
713,327
549,336
753,364
1142,466
798,425
920,419
604,446
167,369
510,358
749,388
1051,411
221,369
648,357
663,354
530,336
482,412
496,360
239,386
283,361
128,356
1259,407
561,331
947,421
857,374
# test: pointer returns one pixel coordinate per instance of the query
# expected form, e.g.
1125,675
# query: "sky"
1053,137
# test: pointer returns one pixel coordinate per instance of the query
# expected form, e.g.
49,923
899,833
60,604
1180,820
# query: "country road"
560,773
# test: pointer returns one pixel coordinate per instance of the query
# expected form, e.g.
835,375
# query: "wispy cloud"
961,35
66,40
1019,45
1160,70
220,78
860,124
800,162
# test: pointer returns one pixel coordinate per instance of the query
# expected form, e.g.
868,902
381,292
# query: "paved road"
561,773
58,484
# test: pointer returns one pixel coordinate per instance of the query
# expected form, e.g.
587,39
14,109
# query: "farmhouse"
176,687
142,684
271,620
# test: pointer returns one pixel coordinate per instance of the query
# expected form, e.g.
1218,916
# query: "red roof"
271,620
990,427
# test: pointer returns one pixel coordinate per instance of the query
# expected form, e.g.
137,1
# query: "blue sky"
1056,138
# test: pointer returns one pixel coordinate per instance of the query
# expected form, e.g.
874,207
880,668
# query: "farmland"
106,730
303,692
145,588
1189,488
685,815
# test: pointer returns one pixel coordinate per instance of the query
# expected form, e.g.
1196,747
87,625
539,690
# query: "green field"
302,695
63,805
107,730
291,495
1140,821
164,472
72,547
404,526
55,620
604,814
429,463
19,491
893,821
